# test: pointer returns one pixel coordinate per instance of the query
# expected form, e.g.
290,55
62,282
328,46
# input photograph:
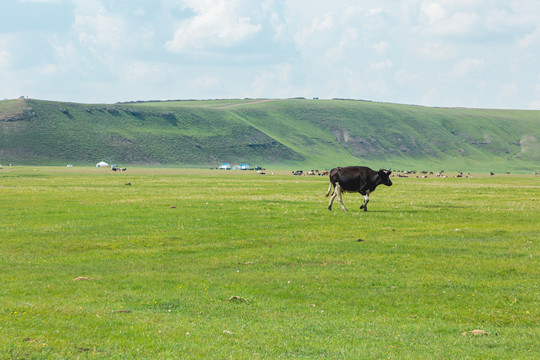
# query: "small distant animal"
359,179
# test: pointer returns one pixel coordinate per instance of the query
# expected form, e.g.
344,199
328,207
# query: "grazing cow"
359,179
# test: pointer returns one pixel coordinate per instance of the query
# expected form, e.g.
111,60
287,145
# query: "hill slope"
294,132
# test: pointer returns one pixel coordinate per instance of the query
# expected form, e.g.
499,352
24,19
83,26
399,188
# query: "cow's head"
384,177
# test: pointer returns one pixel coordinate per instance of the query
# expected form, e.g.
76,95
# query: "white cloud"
438,51
462,23
535,103
101,29
4,60
41,1
143,72
381,46
382,65
378,87
217,23
140,12
430,97
262,82
508,90
458,18
530,38
434,12
205,82
468,67
348,39
405,77
278,25
66,52
351,13
376,11
266,82
318,27
47,69
5,53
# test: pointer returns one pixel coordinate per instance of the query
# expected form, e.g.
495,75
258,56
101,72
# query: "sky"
448,53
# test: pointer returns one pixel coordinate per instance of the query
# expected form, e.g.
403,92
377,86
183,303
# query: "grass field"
189,264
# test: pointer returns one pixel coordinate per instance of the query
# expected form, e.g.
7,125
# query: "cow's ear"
388,172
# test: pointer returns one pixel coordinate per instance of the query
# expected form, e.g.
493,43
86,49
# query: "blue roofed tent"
225,166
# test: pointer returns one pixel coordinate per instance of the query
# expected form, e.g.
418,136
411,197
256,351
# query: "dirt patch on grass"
81,278
475,333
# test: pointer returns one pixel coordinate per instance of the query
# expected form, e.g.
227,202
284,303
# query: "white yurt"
102,164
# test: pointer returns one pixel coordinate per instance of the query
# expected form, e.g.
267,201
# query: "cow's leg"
334,194
339,192
366,200
329,189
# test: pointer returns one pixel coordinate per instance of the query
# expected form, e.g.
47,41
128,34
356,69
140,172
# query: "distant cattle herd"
396,173
405,173
310,172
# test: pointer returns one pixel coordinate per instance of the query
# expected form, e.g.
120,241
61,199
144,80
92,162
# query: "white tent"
102,164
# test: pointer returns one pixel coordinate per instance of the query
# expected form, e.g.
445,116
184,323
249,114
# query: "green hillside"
271,133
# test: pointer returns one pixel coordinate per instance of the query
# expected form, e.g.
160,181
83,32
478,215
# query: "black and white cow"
359,179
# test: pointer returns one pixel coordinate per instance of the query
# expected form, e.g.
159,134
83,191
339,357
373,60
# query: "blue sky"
463,53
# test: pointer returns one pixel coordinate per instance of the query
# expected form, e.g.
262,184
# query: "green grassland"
318,134
191,264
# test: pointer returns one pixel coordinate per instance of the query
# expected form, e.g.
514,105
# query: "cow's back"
350,178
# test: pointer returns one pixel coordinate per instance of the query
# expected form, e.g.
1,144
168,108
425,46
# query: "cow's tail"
329,190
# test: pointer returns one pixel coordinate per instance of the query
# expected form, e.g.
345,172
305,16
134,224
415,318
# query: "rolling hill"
271,133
